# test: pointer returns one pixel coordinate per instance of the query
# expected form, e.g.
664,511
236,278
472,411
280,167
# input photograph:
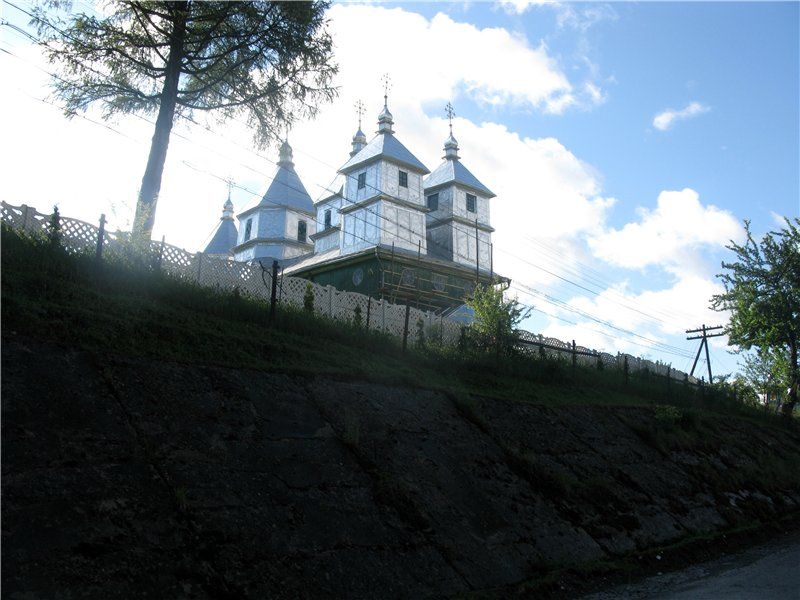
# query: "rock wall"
129,478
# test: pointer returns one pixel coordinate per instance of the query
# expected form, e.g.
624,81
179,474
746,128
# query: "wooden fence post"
161,251
369,309
574,360
100,234
405,328
330,289
199,256
273,290
27,218
625,368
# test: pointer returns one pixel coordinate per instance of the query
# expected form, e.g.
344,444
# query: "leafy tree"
268,61
762,293
496,318
767,372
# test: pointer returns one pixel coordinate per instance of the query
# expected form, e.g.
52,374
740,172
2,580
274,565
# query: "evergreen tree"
268,61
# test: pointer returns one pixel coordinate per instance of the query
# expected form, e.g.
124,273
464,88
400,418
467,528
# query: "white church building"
393,229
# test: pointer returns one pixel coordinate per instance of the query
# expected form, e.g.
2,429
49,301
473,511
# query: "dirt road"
767,572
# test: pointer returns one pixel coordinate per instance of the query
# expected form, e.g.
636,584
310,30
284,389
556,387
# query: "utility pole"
704,335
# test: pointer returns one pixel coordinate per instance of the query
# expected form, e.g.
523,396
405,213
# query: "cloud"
669,236
518,7
665,119
583,17
447,58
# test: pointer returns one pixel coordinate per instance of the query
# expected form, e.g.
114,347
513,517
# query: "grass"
133,310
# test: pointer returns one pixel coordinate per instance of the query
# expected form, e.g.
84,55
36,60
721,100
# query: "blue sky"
626,143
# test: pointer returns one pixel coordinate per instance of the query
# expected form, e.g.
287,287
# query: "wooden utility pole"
704,335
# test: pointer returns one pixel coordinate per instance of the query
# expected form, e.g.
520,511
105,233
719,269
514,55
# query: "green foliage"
308,298
420,333
667,413
762,293
54,228
496,318
357,319
270,62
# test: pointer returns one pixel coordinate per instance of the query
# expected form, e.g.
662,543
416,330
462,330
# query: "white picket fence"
379,315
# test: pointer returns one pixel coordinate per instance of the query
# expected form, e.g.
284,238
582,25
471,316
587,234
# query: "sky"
626,143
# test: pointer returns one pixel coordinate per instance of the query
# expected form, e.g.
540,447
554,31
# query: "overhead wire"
325,188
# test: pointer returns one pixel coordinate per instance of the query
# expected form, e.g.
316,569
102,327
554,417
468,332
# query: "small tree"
496,318
270,61
54,228
762,293
308,298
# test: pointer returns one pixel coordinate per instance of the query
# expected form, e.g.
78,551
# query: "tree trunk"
791,401
151,181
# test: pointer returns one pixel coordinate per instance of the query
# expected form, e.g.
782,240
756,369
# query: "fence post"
669,377
625,368
330,300
199,256
27,218
369,309
161,251
100,234
574,360
273,290
405,328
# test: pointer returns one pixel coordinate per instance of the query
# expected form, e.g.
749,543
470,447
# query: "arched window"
301,231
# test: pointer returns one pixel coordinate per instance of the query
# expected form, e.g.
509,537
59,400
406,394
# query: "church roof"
452,171
385,145
223,239
225,235
286,188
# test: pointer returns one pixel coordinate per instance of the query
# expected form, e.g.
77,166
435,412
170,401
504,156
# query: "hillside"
159,440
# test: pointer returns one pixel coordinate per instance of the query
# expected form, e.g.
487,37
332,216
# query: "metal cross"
387,85
360,111
450,112
229,181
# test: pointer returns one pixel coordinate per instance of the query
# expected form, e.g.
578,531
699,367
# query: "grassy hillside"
132,310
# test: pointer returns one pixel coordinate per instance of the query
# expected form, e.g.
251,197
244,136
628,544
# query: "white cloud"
518,7
667,118
669,236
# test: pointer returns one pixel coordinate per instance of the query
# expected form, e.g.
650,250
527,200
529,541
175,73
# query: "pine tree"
268,61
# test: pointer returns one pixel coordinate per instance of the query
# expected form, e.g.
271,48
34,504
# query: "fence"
250,280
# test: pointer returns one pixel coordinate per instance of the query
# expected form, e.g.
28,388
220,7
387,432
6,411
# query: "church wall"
464,245
372,187
271,223
440,242
333,205
445,204
291,221
260,251
460,207
325,243
390,183
360,228
403,226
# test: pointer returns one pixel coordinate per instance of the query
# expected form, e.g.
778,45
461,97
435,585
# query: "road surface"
769,571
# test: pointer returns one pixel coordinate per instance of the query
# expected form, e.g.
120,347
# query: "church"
388,228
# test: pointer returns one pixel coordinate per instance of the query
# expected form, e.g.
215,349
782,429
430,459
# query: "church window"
328,219
403,179
301,231
248,229
362,180
471,201
433,202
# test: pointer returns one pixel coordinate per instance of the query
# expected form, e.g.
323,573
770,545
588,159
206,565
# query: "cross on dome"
385,120
450,144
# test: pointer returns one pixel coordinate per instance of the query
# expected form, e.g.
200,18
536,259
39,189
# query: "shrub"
308,298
